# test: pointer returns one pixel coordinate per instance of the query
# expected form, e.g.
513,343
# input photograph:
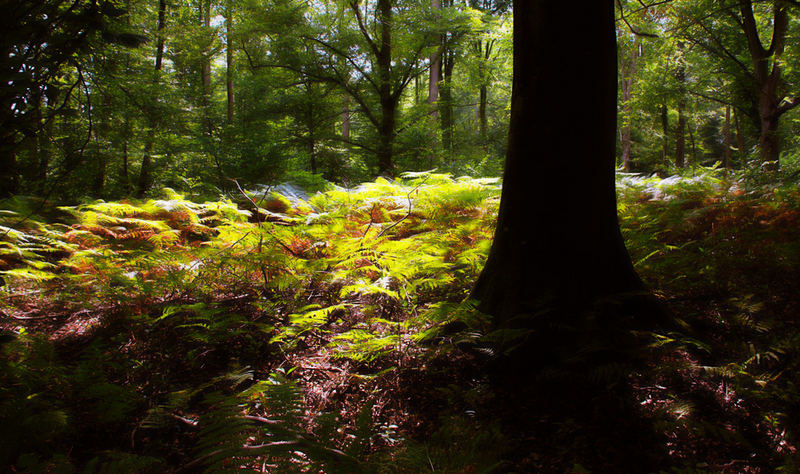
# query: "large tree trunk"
552,246
767,74
558,280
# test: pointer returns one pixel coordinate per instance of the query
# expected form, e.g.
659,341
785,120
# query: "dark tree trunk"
550,245
9,173
558,280
446,98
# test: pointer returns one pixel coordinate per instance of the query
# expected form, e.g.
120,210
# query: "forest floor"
335,334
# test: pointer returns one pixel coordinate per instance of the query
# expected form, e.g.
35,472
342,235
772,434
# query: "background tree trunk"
145,172
229,60
435,71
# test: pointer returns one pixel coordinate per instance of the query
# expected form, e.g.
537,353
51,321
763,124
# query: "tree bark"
550,246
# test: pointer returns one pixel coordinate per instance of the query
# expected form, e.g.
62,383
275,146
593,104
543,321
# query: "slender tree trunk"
9,173
45,152
727,132
387,99
229,59
628,69
740,144
436,68
446,98
311,127
124,172
205,69
346,120
680,136
665,133
145,172
680,132
483,120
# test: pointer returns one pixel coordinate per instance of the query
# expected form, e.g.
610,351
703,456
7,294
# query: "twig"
409,209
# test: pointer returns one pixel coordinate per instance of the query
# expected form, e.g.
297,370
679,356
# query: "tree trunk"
665,133
387,99
446,98
628,69
680,138
767,74
484,122
229,59
551,246
680,132
740,144
310,126
436,68
205,67
9,173
346,119
145,172
727,131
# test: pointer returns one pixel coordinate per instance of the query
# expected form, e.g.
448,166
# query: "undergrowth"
283,334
